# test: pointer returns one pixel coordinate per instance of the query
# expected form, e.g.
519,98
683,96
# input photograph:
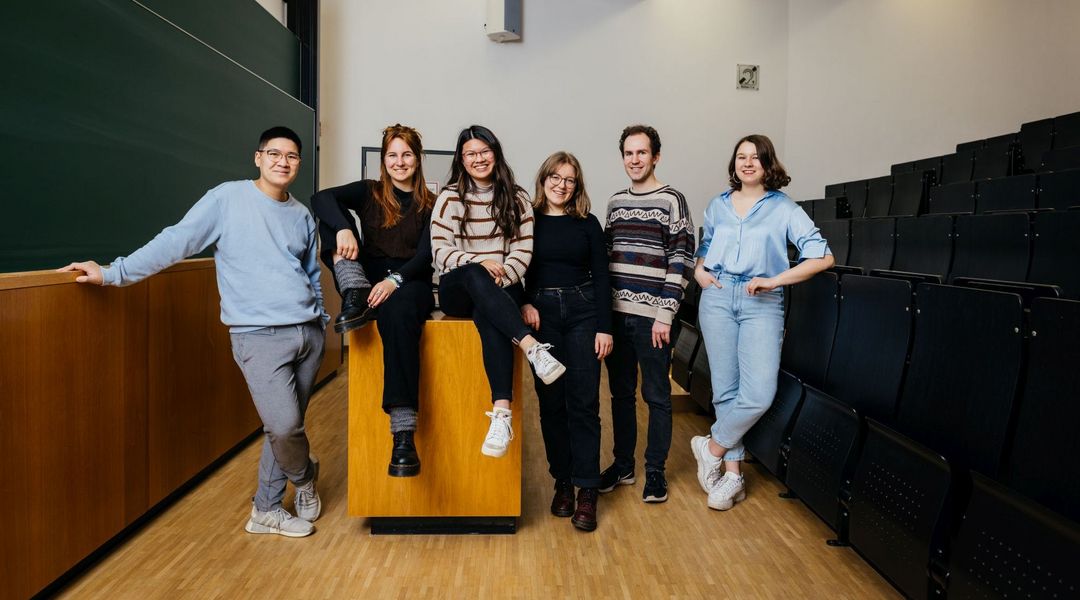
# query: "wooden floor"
766,547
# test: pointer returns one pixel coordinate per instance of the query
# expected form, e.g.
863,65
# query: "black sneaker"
613,476
655,487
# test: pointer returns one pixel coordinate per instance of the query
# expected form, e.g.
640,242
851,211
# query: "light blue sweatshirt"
265,253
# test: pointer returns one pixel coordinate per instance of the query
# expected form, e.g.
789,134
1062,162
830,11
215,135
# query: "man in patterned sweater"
651,242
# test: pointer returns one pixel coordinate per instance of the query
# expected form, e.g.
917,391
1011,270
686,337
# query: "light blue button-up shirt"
756,246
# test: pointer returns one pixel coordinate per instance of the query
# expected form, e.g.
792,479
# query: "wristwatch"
396,278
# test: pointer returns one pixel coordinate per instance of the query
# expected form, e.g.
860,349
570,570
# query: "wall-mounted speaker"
503,20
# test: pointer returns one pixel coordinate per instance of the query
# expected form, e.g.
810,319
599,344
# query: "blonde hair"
578,206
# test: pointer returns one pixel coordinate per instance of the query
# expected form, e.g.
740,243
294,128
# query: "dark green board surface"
113,122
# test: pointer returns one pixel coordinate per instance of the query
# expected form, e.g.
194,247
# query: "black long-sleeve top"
405,247
568,252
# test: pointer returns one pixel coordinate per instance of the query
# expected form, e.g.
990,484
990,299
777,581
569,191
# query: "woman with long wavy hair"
570,307
482,240
394,215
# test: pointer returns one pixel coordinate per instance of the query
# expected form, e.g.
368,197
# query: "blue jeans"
570,406
633,347
742,335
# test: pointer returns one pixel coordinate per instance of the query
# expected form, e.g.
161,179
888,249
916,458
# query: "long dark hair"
423,199
505,206
775,175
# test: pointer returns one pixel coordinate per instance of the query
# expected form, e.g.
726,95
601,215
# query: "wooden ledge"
29,279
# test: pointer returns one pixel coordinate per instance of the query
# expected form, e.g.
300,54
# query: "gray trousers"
280,365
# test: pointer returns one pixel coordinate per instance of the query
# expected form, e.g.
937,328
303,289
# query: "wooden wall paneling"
455,478
332,304
72,424
199,404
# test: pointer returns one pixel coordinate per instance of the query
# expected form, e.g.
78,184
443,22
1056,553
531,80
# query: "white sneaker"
709,468
308,504
544,364
278,521
730,489
499,434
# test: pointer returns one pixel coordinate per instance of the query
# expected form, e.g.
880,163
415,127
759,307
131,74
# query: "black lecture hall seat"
992,162
1042,464
972,145
909,194
701,379
958,393
930,164
1059,191
1007,193
924,245
1055,252
1036,137
1010,547
871,345
879,192
953,198
838,236
1005,138
872,243
822,439
767,440
682,354
904,167
992,247
898,493
1067,130
835,190
812,312
956,167
855,192
1060,159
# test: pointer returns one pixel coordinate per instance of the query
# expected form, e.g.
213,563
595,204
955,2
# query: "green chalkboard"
114,121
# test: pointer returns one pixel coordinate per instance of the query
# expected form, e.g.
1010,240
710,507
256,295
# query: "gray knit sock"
349,274
402,418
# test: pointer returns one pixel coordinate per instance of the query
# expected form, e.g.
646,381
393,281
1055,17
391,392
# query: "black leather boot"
404,461
355,312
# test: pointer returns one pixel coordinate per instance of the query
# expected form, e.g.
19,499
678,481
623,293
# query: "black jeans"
633,347
570,407
469,291
401,321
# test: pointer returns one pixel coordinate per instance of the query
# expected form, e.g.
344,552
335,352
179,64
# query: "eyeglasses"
276,155
475,156
556,179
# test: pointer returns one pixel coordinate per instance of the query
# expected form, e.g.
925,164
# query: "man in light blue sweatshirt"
268,279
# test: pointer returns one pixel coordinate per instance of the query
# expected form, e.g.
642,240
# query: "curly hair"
654,137
775,175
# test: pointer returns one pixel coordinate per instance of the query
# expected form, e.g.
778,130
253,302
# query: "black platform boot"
404,461
355,312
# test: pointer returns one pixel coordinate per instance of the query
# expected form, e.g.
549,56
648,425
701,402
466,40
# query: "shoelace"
542,358
727,486
278,516
653,478
715,475
306,495
505,433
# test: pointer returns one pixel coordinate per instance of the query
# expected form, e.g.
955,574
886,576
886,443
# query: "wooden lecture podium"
458,490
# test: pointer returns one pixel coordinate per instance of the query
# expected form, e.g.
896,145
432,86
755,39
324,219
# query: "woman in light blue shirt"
742,266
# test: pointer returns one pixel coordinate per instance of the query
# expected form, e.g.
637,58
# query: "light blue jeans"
742,335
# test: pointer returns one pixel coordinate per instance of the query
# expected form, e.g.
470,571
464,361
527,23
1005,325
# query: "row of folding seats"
891,457
1037,138
1040,248
1047,191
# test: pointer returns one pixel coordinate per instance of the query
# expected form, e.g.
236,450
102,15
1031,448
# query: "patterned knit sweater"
481,240
651,241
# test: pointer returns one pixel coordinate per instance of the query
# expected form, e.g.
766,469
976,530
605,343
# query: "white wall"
275,8
583,71
877,82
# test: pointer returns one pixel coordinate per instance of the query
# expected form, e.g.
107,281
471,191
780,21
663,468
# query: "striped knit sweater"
651,241
450,248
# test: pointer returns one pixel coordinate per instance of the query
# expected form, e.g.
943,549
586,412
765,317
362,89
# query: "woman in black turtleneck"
567,285
396,254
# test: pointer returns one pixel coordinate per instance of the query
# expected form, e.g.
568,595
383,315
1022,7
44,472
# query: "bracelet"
396,278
